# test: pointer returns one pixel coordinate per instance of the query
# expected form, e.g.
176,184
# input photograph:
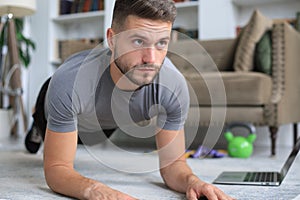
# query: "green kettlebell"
239,146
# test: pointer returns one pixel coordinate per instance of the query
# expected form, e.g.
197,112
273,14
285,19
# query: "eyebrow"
136,35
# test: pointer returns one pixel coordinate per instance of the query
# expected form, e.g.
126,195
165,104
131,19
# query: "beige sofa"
250,96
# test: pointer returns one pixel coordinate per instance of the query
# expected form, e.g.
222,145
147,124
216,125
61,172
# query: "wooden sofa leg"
295,126
273,131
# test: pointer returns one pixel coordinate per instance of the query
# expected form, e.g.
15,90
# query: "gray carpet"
21,174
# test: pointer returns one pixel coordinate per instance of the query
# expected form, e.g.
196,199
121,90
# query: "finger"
210,192
211,196
191,195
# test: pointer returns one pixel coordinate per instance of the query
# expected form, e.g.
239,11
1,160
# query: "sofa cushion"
190,57
241,89
188,64
263,54
203,55
251,34
221,51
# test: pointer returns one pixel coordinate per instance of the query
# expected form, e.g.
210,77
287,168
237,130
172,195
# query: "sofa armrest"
285,73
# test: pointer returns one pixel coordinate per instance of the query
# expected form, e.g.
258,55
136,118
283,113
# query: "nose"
149,55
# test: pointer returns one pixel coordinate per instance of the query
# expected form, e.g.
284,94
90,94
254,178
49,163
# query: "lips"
146,69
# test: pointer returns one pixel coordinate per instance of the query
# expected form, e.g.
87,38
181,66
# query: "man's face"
140,50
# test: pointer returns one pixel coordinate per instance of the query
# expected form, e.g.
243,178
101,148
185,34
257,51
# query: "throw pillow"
263,54
256,27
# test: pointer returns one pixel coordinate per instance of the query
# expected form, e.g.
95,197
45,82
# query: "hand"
198,188
102,192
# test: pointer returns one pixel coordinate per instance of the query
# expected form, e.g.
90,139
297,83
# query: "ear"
110,38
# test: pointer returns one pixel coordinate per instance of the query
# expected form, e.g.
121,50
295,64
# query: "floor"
21,174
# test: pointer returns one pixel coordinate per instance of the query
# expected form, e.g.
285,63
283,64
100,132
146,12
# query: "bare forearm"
176,173
68,182
59,155
178,176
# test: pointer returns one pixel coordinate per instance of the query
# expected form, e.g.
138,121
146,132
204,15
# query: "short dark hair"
164,10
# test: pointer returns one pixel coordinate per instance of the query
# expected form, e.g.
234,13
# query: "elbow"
55,176
51,179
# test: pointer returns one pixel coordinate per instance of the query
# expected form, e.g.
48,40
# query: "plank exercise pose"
102,89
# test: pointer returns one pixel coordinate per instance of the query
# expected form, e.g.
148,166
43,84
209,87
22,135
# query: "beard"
140,75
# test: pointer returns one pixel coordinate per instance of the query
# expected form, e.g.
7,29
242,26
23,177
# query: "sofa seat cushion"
230,88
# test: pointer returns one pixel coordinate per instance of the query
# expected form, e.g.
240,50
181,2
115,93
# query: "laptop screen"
290,159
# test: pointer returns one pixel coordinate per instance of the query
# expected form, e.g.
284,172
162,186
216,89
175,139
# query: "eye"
162,44
138,43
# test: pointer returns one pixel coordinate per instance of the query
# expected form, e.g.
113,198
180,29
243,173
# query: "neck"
120,80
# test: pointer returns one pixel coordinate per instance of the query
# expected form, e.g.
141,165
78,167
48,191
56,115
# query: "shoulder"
169,67
171,77
80,67
78,75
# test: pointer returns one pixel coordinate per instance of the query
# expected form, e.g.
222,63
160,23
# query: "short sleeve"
60,105
175,99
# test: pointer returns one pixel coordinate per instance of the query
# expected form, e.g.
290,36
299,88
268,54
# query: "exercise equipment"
239,146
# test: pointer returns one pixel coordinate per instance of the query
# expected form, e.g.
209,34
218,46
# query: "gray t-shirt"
82,96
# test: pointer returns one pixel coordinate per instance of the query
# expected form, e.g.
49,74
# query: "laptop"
258,178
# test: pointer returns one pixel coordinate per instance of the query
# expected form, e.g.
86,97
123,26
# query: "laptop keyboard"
261,177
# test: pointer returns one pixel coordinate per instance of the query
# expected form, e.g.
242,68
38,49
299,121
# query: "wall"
218,19
39,70
277,10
